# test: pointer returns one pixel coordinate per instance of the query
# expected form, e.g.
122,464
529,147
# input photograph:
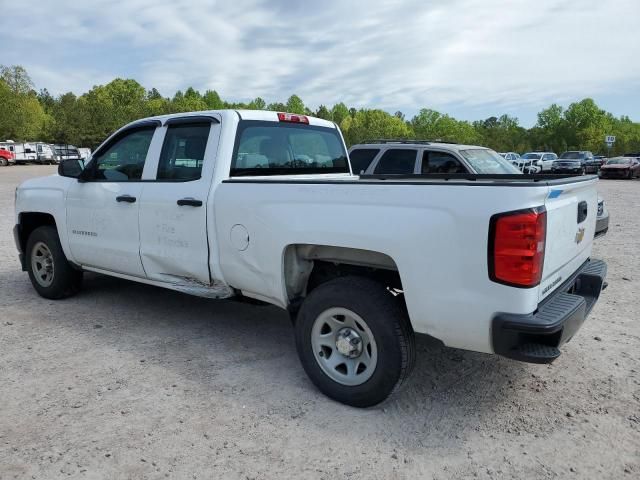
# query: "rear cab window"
282,148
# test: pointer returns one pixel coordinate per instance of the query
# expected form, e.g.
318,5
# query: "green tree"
323,112
339,112
372,124
295,105
213,100
23,116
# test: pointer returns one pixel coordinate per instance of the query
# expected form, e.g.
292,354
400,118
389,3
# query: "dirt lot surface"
132,381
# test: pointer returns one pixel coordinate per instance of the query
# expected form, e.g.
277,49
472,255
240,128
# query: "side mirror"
71,168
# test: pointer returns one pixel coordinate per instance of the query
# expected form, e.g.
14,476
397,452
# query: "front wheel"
355,341
50,273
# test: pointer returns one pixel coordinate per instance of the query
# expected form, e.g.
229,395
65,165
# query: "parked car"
593,165
264,205
544,160
405,157
528,163
64,151
620,167
510,156
6,157
573,161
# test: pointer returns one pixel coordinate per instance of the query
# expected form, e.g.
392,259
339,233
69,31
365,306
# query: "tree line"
86,120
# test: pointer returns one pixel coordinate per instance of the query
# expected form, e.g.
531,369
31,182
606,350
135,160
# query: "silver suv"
383,157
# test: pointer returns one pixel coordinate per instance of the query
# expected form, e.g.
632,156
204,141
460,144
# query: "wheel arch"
305,266
29,221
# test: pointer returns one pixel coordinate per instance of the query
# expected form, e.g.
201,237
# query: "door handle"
126,198
191,202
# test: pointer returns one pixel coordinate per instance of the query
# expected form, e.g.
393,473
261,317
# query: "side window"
183,152
123,160
361,158
441,162
399,161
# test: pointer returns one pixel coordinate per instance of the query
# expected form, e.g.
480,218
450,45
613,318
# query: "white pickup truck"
263,205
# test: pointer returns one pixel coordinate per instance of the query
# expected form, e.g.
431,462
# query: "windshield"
279,148
485,161
573,155
619,161
532,156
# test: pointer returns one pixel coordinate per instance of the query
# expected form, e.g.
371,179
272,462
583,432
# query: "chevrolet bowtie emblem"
579,235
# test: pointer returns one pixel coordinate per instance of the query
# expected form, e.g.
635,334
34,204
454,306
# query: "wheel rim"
42,264
344,346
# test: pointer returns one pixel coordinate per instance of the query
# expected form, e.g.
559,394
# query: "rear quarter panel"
436,234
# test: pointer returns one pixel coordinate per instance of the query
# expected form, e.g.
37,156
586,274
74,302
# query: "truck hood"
54,181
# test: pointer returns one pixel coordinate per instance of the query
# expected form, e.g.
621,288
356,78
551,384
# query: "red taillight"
516,247
293,118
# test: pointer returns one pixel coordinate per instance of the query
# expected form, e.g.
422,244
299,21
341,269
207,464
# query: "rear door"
571,221
173,211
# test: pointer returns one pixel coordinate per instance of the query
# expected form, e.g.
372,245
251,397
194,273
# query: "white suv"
383,157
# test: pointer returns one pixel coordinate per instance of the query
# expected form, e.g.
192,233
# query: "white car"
510,156
543,160
264,205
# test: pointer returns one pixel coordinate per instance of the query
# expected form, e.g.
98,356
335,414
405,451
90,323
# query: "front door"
102,212
173,213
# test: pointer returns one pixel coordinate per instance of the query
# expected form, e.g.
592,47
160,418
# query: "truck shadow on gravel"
247,353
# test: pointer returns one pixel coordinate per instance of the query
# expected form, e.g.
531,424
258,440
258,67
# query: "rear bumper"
614,173
535,337
566,170
602,224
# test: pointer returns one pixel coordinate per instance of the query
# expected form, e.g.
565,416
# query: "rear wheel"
50,273
354,341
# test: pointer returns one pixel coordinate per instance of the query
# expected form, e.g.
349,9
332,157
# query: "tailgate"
571,221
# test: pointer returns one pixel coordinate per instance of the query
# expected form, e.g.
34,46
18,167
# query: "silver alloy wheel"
344,347
42,264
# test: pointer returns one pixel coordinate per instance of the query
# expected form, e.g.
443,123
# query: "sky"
469,58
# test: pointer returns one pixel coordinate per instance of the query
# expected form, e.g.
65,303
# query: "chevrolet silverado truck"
264,206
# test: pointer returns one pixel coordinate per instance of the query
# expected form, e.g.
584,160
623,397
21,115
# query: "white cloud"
394,55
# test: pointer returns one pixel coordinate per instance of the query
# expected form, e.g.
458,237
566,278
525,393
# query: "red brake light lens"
293,118
516,247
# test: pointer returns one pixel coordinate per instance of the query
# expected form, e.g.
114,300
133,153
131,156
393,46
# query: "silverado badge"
579,235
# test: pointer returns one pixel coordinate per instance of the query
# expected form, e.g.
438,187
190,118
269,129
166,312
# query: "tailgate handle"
582,211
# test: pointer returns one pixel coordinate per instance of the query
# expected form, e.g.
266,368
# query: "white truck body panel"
435,232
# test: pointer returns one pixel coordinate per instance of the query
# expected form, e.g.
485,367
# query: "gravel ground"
132,381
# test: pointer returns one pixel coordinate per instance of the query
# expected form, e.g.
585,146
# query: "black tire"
3,162
385,316
66,280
